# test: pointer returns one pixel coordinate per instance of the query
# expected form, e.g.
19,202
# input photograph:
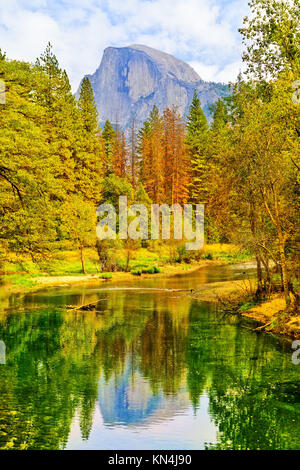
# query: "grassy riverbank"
65,268
238,297
235,296
274,317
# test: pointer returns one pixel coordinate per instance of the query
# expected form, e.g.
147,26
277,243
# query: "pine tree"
220,116
89,159
119,153
133,153
88,107
109,138
152,157
63,120
176,165
196,142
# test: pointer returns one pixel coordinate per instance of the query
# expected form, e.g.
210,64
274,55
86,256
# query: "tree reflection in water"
142,358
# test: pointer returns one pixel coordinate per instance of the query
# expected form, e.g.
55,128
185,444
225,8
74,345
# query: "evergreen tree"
88,107
63,121
196,141
133,153
220,116
89,159
109,138
119,153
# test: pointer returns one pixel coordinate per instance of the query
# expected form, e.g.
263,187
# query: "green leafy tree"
272,37
79,224
27,182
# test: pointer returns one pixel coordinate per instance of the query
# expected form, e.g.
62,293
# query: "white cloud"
225,74
230,72
206,72
202,32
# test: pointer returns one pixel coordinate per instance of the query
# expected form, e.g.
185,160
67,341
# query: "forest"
57,163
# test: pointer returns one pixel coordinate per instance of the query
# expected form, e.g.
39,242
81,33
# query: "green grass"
225,252
22,280
142,261
248,305
72,267
63,263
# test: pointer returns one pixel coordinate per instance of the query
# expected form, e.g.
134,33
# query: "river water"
151,368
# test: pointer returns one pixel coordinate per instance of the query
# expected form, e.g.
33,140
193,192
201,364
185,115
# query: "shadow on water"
145,370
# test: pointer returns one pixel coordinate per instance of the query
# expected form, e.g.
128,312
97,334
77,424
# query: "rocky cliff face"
131,80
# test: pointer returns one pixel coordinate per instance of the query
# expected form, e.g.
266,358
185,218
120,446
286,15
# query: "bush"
106,276
136,272
149,270
183,255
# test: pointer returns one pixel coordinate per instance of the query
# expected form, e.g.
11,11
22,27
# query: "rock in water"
131,80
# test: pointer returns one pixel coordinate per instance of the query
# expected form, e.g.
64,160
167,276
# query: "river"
151,368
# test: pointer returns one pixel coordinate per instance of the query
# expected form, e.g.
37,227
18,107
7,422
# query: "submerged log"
86,307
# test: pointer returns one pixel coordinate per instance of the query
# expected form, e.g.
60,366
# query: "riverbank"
274,318
64,268
236,295
37,283
270,315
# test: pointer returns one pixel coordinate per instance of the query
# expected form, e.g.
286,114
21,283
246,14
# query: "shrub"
139,270
136,272
148,270
106,276
183,255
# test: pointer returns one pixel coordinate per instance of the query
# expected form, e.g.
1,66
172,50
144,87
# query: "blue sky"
201,32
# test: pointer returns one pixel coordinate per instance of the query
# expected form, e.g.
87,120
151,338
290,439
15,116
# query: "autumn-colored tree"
176,162
264,141
152,154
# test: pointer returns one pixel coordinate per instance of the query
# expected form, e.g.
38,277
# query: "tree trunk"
82,259
253,221
275,218
127,261
285,281
267,277
260,288
281,245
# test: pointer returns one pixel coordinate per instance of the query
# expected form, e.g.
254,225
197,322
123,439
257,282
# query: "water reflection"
146,370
